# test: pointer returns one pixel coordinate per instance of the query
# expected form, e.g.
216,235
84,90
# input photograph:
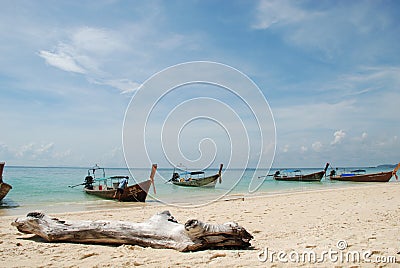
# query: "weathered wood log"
160,231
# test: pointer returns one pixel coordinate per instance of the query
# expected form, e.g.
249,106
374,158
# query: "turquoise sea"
47,188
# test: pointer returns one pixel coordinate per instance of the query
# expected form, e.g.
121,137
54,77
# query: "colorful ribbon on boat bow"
395,171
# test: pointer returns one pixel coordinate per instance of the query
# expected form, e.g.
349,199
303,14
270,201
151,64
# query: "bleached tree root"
160,231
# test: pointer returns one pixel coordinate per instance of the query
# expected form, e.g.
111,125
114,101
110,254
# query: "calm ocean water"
47,188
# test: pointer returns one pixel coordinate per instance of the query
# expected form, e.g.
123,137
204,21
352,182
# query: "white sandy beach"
366,218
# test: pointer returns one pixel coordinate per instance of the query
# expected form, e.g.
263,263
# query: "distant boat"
296,175
4,187
106,187
196,179
359,175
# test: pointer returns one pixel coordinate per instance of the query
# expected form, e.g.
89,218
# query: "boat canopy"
292,170
113,178
192,173
358,170
119,177
92,171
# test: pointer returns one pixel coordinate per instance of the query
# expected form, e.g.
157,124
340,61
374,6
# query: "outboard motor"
175,176
89,182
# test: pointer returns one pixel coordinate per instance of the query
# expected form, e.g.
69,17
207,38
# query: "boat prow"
4,187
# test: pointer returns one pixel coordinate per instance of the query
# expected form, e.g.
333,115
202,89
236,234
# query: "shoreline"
366,218
98,204
117,206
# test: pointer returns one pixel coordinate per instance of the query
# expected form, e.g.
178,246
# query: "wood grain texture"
160,231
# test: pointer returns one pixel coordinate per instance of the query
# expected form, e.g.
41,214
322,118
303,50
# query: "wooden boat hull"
4,189
317,176
133,193
375,177
204,182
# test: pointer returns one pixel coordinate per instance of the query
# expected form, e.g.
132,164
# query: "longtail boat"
196,179
296,175
106,187
4,187
360,176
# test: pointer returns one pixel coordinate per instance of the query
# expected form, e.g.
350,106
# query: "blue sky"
330,71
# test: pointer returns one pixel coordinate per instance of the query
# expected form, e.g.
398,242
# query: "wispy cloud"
279,13
370,78
89,51
97,53
124,85
33,150
335,30
368,88
62,61
85,51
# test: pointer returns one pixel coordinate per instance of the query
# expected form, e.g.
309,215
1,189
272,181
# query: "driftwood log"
160,231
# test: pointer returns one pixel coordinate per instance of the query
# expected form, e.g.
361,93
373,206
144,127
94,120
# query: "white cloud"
85,50
36,154
362,138
124,85
45,148
364,135
62,61
33,150
95,51
339,135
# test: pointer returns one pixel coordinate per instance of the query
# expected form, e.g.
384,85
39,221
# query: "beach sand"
367,218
